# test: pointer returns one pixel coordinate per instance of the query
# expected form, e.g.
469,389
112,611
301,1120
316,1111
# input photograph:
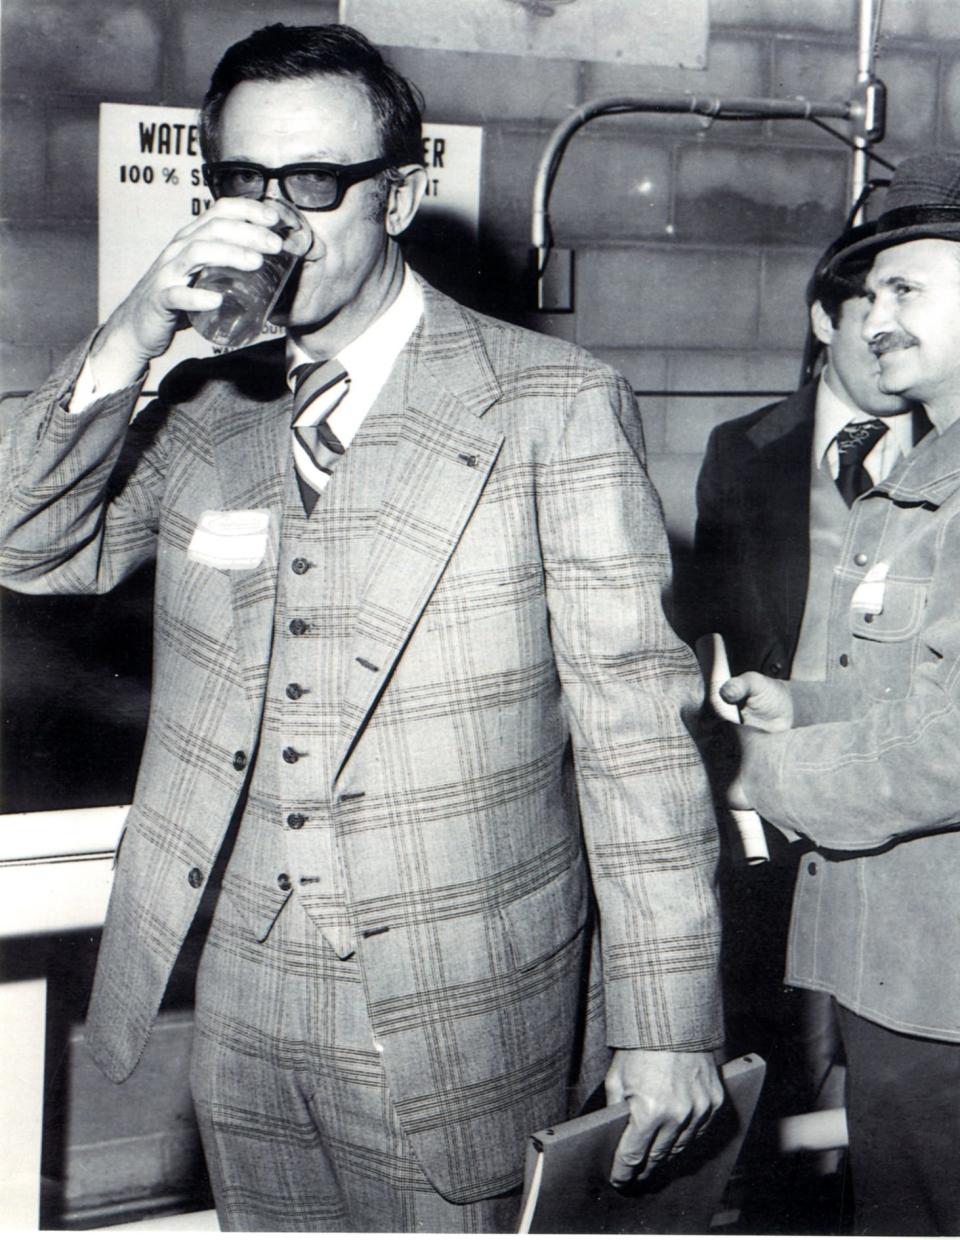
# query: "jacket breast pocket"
887,641
476,598
899,617
499,632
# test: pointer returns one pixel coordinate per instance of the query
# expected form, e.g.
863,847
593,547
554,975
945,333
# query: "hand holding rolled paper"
761,702
716,674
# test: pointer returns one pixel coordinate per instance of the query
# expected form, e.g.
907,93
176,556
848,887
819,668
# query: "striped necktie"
318,390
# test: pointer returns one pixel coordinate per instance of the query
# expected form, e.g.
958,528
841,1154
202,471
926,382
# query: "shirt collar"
370,357
832,415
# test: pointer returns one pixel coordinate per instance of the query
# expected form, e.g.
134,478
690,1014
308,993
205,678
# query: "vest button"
298,627
291,755
868,617
860,559
239,760
195,878
283,882
300,566
294,692
776,668
296,821
844,660
811,867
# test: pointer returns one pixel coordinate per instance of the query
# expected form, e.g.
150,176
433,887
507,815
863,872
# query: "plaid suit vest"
286,845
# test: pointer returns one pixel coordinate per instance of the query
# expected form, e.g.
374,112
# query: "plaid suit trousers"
298,1127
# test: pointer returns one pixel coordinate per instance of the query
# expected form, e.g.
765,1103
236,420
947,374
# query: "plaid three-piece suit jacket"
530,762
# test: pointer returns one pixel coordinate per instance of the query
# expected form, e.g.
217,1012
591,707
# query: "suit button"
195,877
776,669
868,618
300,566
860,559
844,660
291,755
811,867
298,627
294,692
283,882
296,821
239,760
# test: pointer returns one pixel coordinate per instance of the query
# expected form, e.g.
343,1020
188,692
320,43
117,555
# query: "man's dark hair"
279,53
831,287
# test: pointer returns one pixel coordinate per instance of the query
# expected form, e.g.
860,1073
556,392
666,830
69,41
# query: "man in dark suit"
762,553
411,664
772,509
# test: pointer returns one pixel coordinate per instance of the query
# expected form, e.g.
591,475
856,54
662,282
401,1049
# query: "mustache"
886,341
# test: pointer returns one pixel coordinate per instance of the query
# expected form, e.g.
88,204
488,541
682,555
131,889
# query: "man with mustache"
773,499
863,764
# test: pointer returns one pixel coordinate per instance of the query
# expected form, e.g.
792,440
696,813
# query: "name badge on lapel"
236,539
868,596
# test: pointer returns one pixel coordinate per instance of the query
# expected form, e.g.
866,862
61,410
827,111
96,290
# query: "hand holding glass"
249,297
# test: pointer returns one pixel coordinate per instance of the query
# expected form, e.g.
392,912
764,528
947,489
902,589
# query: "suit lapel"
780,474
443,459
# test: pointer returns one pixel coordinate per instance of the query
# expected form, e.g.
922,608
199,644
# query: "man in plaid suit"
382,708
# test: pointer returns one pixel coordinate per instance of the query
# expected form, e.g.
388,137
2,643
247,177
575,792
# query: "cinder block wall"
692,241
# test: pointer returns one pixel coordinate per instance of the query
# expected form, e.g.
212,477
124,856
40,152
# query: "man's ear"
823,329
404,198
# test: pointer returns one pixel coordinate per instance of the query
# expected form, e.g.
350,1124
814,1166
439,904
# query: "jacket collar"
789,417
449,344
930,474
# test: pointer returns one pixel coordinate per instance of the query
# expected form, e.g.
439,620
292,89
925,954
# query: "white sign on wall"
150,185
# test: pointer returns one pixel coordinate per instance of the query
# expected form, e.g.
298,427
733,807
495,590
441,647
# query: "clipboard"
566,1189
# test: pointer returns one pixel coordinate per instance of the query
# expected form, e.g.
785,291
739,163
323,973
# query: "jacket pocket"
900,616
541,923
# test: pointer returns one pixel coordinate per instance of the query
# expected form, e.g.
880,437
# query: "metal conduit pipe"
868,29
709,106
866,110
867,113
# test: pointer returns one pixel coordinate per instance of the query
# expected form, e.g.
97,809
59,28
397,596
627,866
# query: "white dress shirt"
369,359
832,415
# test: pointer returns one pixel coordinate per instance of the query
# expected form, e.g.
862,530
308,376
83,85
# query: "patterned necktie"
854,444
318,390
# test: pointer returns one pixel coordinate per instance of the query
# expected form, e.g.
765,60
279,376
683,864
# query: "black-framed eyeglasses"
312,187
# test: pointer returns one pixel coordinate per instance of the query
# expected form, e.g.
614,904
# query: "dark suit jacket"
751,548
